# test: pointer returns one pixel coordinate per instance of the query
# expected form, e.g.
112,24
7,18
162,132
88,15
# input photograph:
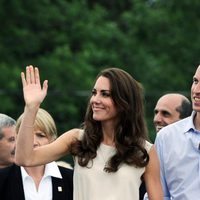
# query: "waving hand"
34,94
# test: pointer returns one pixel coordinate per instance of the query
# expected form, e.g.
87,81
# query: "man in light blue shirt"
170,107
178,148
179,154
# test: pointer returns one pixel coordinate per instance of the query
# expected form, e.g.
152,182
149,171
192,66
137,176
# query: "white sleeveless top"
95,184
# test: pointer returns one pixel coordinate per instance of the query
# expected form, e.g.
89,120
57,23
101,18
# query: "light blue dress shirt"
178,148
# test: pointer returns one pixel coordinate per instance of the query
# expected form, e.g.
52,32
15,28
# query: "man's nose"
157,117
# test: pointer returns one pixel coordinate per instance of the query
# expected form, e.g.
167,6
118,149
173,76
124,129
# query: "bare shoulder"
152,169
148,146
153,158
152,176
152,150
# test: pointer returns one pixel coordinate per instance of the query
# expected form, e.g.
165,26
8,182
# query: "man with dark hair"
7,140
170,108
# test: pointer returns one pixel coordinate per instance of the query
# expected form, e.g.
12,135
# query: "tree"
71,41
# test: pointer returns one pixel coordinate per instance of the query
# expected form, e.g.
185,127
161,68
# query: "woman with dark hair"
111,151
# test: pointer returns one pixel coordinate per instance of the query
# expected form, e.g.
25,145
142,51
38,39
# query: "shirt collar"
51,169
190,123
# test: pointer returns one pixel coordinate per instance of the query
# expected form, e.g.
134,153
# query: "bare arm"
27,156
152,177
34,95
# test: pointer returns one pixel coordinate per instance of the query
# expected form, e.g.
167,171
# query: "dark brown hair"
130,131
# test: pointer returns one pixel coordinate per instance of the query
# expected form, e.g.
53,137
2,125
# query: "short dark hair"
185,109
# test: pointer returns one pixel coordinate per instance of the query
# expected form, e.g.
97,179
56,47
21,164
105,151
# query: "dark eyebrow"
155,110
102,90
194,78
165,112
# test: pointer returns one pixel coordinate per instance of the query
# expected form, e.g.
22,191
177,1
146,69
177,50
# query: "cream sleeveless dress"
93,183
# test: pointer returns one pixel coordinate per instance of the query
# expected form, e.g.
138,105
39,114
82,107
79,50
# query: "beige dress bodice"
93,183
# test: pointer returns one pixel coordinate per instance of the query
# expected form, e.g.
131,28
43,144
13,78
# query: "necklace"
105,153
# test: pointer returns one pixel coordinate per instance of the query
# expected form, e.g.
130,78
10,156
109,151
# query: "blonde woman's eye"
41,135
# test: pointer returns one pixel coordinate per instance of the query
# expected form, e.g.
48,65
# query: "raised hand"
34,94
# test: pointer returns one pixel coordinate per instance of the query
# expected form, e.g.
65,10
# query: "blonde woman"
41,182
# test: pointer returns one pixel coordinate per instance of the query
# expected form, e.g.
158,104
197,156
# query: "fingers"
28,77
32,75
23,79
45,86
37,75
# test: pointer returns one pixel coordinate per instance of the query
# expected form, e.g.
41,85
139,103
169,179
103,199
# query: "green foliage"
156,41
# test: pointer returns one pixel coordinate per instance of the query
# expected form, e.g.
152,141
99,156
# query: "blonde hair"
43,122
